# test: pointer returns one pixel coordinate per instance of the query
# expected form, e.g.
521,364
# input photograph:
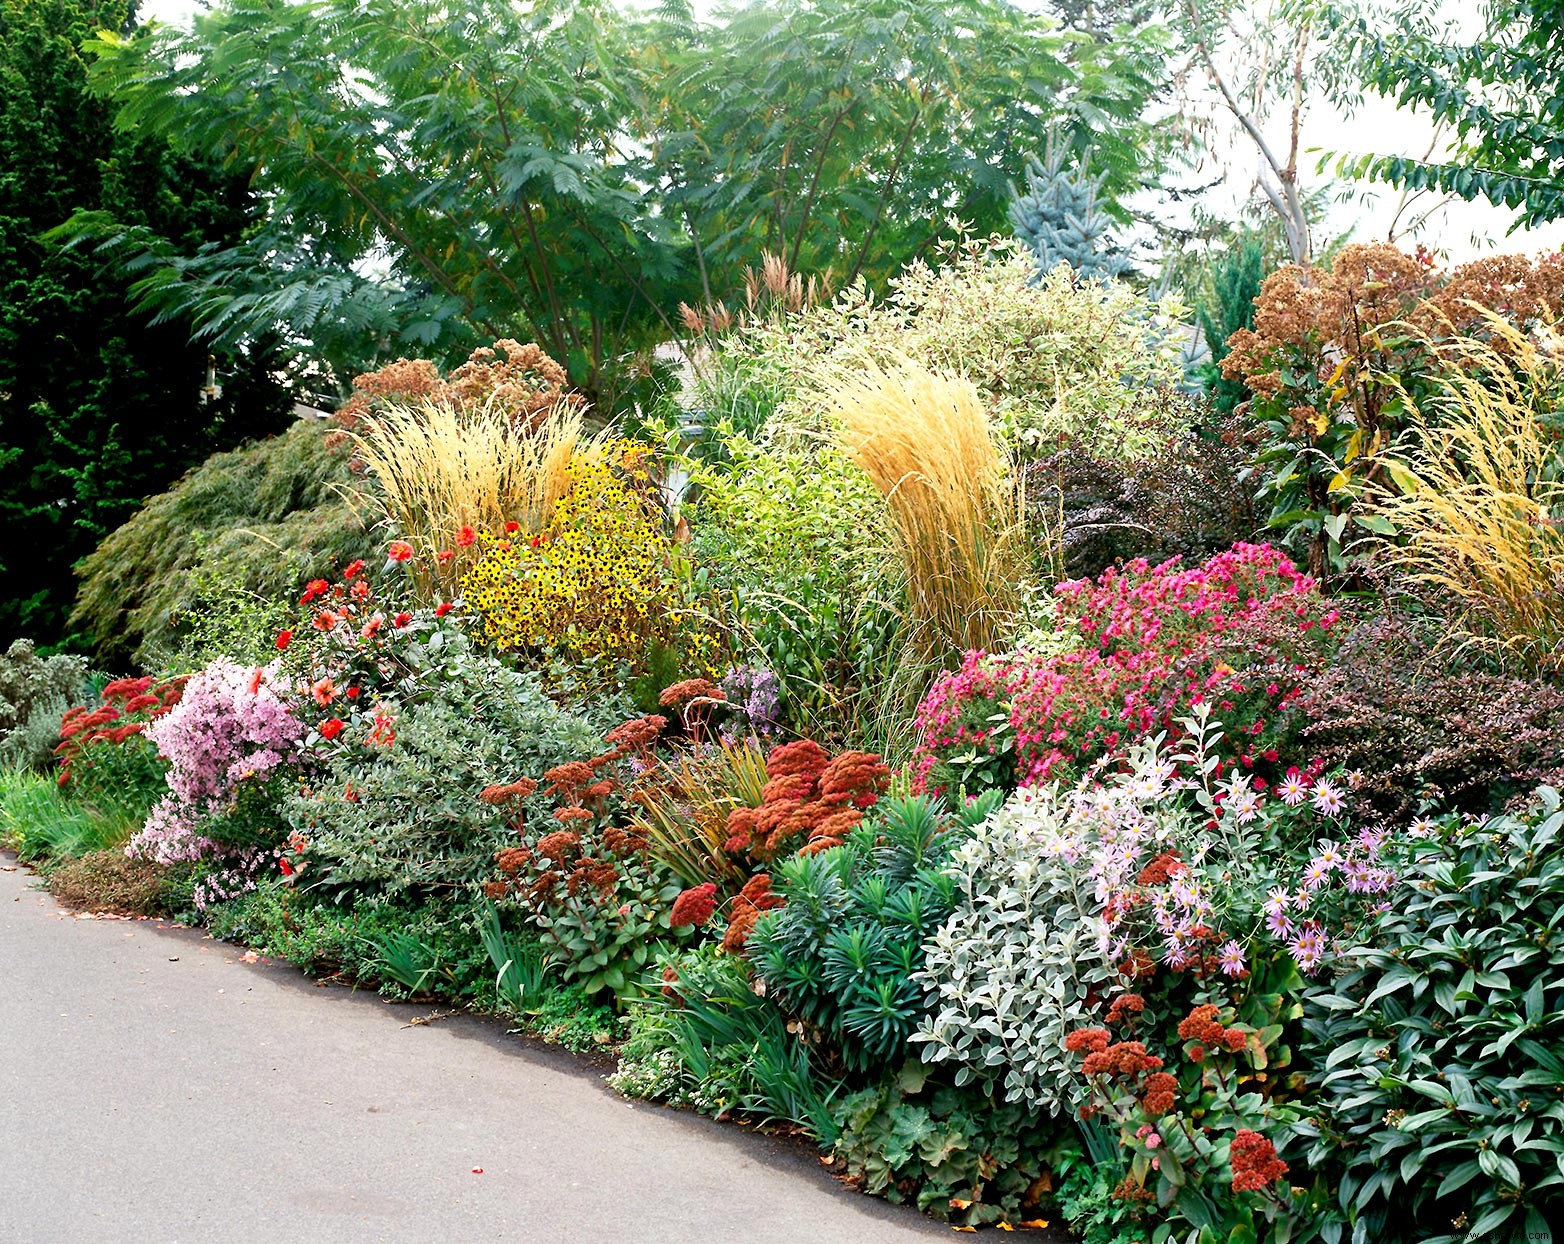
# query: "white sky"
1456,231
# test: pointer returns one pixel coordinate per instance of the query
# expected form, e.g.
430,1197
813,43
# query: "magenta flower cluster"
1238,633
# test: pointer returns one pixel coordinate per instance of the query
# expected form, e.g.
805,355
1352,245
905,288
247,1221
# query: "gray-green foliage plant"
35,691
405,816
843,950
1441,1090
1013,969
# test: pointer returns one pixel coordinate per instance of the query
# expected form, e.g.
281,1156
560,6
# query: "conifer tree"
1062,219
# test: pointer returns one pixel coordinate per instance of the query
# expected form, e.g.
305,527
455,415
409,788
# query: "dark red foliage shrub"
1186,500
1412,730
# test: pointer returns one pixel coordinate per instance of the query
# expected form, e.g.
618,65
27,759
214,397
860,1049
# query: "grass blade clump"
1482,512
924,441
441,468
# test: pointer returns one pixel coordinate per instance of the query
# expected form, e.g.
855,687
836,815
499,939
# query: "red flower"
354,567
1254,1161
443,608
694,906
284,638
1089,1039
351,693
325,691
325,620
444,556
401,620
330,729
512,528
313,589
465,537
1161,1093
256,680
399,551
287,868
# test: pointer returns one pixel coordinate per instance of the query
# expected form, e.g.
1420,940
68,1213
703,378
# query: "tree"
98,407
1257,63
1235,284
1501,93
1062,220
436,174
847,134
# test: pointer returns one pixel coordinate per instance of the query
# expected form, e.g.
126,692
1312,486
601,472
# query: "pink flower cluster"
1238,633
231,727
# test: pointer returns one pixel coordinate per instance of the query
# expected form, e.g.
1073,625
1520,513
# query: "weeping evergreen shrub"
262,519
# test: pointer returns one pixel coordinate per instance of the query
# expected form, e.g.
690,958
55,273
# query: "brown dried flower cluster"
521,379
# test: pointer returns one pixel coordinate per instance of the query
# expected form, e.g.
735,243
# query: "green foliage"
45,824
842,952
35,691
955,1153
711,1042
1058,360
407,816
116,783
1062,219
98,407
793,536
520,970
220,618
260,520
490,120
1235,284
846,136
1087,1203
561,172
1502,93
1439,1098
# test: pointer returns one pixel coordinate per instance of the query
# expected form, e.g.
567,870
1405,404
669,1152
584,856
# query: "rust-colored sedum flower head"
694,906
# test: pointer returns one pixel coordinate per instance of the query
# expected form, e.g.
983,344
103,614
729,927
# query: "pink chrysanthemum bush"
1239,634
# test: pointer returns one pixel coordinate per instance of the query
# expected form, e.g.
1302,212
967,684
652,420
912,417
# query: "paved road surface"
156,1089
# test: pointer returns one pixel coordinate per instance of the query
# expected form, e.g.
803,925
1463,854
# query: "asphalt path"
158,1088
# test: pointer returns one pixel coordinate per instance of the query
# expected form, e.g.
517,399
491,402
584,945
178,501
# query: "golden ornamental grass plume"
1482,519
441,468
954,502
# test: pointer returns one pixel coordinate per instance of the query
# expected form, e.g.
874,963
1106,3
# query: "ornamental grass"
954,503
443,469
1481,517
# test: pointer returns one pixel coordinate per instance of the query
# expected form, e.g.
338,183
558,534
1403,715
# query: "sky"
1456,231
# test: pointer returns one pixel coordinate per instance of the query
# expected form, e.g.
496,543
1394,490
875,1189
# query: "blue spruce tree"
1060,218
